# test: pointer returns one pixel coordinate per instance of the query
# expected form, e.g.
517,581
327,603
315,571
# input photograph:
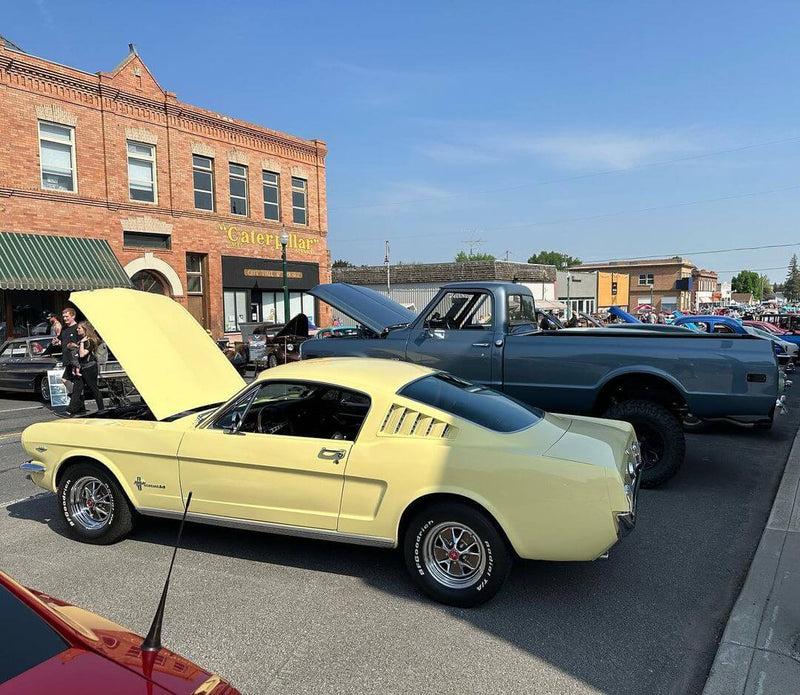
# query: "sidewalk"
760,649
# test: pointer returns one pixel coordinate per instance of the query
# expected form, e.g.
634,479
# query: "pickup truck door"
457,335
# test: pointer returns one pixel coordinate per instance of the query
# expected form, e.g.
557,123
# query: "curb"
760,648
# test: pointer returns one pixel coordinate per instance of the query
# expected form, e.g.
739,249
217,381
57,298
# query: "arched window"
149,281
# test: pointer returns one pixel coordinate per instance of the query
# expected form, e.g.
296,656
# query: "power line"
567,179
699,253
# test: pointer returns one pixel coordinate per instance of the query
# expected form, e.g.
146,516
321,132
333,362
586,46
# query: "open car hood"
298,326
368,307
167,355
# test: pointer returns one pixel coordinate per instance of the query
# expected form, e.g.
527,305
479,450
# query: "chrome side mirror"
235,425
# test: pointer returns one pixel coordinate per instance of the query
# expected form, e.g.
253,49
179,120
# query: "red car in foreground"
52,647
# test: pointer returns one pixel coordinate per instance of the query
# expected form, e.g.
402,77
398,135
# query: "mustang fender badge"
139,483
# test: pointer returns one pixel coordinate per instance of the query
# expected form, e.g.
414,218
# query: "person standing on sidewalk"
87,371
69,347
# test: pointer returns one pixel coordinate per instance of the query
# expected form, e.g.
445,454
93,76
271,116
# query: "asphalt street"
275,614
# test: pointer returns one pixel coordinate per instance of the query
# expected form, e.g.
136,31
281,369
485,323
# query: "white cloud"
604,150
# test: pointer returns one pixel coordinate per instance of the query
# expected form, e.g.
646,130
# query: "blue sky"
579,127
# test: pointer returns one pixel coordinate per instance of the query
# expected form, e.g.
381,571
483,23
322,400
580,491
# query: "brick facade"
666,274
108,109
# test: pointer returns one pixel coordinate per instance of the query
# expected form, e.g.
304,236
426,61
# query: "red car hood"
104,654
169,670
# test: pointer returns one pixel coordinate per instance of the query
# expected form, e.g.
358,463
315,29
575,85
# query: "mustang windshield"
480,405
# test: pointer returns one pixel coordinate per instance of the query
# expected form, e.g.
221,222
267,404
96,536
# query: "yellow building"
613,289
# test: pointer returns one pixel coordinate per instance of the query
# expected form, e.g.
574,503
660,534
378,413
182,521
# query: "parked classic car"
52,647
486,332
24,363
354,450
725,325
273,344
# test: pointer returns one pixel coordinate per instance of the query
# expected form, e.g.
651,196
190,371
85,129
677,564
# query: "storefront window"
235,307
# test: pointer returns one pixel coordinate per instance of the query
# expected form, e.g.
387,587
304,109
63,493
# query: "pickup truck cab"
487,332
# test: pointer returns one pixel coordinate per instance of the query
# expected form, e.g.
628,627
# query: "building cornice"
182,116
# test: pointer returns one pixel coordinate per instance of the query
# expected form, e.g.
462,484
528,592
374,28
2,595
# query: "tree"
747,281
791,287
562,261
766,286
341,263
462,257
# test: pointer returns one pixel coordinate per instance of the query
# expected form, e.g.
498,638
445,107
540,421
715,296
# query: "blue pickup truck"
487,333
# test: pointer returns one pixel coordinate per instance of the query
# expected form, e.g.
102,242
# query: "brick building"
192,203
664,282
418,283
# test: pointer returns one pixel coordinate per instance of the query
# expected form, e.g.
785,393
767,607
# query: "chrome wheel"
44,389
454,555
90,503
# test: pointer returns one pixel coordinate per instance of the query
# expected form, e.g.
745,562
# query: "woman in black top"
87,358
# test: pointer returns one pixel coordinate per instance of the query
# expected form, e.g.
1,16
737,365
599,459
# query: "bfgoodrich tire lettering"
93,505
456,554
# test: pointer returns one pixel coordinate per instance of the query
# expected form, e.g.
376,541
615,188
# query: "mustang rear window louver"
405,422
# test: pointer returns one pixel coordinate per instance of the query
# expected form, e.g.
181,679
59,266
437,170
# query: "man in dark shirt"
69,346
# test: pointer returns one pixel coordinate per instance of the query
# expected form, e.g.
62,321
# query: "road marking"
8,435
27,407
24,499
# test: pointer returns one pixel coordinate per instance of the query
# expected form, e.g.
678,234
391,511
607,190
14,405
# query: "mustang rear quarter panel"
142,455
550,509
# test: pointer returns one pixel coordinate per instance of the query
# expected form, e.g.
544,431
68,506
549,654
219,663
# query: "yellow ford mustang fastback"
365,451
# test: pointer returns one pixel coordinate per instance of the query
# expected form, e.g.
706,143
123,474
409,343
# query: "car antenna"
152,643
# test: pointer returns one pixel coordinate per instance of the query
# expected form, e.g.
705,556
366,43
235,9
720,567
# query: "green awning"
57,263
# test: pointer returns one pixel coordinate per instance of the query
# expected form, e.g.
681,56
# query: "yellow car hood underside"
168,356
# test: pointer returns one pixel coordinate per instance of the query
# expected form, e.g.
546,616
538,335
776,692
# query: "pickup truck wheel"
456,555
660,437
93,505
272,361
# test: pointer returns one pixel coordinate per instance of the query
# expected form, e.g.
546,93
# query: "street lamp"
284,242
569,305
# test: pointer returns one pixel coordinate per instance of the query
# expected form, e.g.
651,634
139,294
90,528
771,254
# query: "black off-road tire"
492,564
652,423
43,389
118,512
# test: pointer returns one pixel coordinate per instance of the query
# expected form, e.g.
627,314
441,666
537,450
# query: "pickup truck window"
485,407
462,311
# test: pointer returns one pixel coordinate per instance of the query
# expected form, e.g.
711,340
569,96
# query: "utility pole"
507,253
388,279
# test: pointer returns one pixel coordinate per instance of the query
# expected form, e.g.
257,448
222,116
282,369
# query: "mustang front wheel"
93,505
456,555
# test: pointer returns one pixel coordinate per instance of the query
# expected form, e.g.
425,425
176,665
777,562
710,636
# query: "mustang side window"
298,409
462,311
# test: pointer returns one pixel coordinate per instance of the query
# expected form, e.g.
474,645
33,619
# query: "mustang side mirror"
235,425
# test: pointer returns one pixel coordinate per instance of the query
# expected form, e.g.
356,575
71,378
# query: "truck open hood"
368,307
168,356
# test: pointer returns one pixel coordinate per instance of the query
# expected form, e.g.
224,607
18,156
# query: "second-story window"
203,178
142,172
57,148
272,207
238,177
645,279
299,202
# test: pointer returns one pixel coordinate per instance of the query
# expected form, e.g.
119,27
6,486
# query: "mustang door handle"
480,344
331,454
